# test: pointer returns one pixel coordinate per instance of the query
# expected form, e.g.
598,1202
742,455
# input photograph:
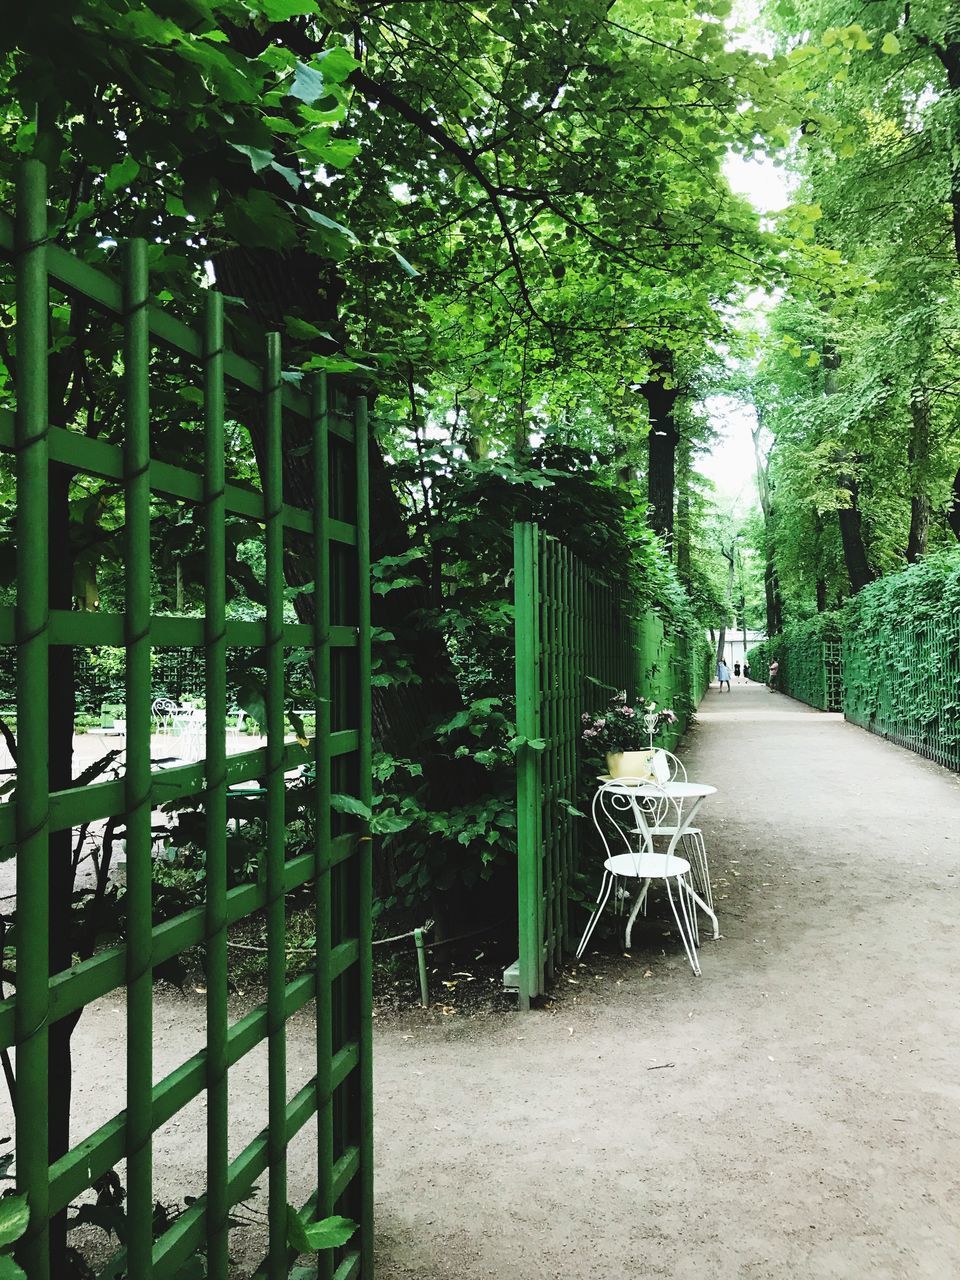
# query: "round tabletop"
676,790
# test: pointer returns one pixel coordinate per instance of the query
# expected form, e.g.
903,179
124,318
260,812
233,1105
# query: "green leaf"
337,63
307,84
350,804
289,175
120,175
252,698
339,152
14,1218
304,329
259,220
296,724
258,157
10,1271
281,10
890,44
385,824
328,224
411,271
328,1233
334,364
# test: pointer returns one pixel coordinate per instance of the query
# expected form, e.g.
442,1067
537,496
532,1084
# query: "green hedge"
803,650
673,669
900,658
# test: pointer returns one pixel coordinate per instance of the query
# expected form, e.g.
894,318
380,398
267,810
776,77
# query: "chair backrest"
163,711
626,812
677,772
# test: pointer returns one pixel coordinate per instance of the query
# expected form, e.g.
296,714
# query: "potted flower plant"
625,734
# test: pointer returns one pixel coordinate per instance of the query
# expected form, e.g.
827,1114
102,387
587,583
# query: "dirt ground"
792,1112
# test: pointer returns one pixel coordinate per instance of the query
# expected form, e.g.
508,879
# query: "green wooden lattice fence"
914,700
577,640
338,863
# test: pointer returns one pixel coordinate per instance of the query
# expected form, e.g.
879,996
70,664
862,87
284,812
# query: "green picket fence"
577,640
337,862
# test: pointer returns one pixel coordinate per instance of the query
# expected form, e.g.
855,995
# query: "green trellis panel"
575,641
811,666
904,684
339,1095
901,681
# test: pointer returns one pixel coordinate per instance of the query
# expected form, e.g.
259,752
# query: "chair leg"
640,902
680,916
605,887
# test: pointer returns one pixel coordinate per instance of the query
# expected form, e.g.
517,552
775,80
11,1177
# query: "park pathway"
795,1111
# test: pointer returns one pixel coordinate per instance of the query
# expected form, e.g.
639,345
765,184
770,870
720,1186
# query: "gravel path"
793,1112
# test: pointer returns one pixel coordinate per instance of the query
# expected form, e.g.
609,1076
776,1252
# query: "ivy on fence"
900,639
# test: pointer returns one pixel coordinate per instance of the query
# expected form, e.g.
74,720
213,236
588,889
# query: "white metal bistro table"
686,798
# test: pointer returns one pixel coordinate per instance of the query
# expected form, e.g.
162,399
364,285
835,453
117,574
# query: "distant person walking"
746,671
723,675
736,670
774,672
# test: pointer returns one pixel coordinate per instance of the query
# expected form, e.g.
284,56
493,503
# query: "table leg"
707,910
684,822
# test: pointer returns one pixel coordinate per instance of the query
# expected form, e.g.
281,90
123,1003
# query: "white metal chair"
626,822
691,841
163,710
188,726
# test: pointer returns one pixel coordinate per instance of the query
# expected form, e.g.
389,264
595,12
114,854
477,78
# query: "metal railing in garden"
810,667
833,674
576,642
897,678
912,696
337,860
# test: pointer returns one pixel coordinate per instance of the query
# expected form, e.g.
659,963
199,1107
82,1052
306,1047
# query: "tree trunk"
953,515
661,444
849,517
771,588
851,536
772,598
948,53
730,559
820,584
918,452
682,538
